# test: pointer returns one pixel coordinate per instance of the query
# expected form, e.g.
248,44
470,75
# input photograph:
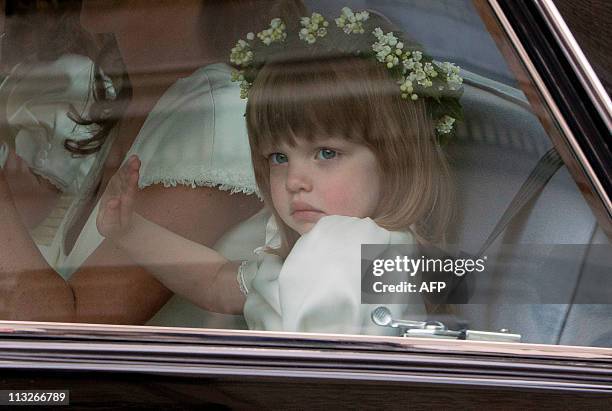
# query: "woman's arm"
29,288
34,197
109,287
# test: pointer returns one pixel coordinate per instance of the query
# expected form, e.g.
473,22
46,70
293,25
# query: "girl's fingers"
127,171
117,203
109,219
134,162
123,177
127,201
112,190
113,204
130,186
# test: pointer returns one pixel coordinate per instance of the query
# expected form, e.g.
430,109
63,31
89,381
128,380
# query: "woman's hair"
355,99
44,30
223,22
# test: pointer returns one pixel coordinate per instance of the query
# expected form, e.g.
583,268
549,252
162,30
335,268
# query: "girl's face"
328,176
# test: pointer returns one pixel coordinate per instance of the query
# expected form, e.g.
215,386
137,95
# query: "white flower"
391,60
250,36
313,27
429,69
409,64
241,54
276,23
453,79
238,76
351,22
445,125
276,32
406,86
387,48
244,89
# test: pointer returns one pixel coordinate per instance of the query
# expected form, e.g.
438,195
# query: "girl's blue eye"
278,158
326,154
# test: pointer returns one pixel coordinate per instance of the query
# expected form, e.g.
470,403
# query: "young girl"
344,148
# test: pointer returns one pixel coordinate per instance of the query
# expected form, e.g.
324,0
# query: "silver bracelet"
240,278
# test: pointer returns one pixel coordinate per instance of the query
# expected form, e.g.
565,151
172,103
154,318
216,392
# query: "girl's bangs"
312,101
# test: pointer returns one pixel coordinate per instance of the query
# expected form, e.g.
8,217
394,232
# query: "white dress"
37,98
317,288
196,136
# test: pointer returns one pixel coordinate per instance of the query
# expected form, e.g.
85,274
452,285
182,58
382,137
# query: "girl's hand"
117,203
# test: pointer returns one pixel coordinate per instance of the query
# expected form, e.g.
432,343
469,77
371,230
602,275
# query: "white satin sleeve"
317,288
320,282
39,99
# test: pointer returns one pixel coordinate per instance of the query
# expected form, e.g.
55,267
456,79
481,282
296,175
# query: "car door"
535,333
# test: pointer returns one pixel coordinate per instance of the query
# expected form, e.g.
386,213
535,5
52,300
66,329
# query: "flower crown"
417,74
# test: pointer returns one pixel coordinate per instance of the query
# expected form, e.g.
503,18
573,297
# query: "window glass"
361,167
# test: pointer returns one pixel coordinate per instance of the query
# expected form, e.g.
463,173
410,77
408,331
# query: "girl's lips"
308,216
305,212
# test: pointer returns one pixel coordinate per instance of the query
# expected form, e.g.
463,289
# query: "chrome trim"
29,331
550,102
191,352
578,60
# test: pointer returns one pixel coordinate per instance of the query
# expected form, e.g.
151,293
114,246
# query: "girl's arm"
192,270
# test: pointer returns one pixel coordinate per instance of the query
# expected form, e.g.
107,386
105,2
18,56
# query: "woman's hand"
117,203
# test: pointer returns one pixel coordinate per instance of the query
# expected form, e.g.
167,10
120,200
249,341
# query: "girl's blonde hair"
356,99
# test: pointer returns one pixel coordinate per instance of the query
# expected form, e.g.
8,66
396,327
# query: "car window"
372,167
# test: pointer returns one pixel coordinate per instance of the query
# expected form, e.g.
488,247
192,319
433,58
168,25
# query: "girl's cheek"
276,174
278,200
339,198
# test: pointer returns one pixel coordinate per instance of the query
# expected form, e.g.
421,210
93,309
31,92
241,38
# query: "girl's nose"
298,177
